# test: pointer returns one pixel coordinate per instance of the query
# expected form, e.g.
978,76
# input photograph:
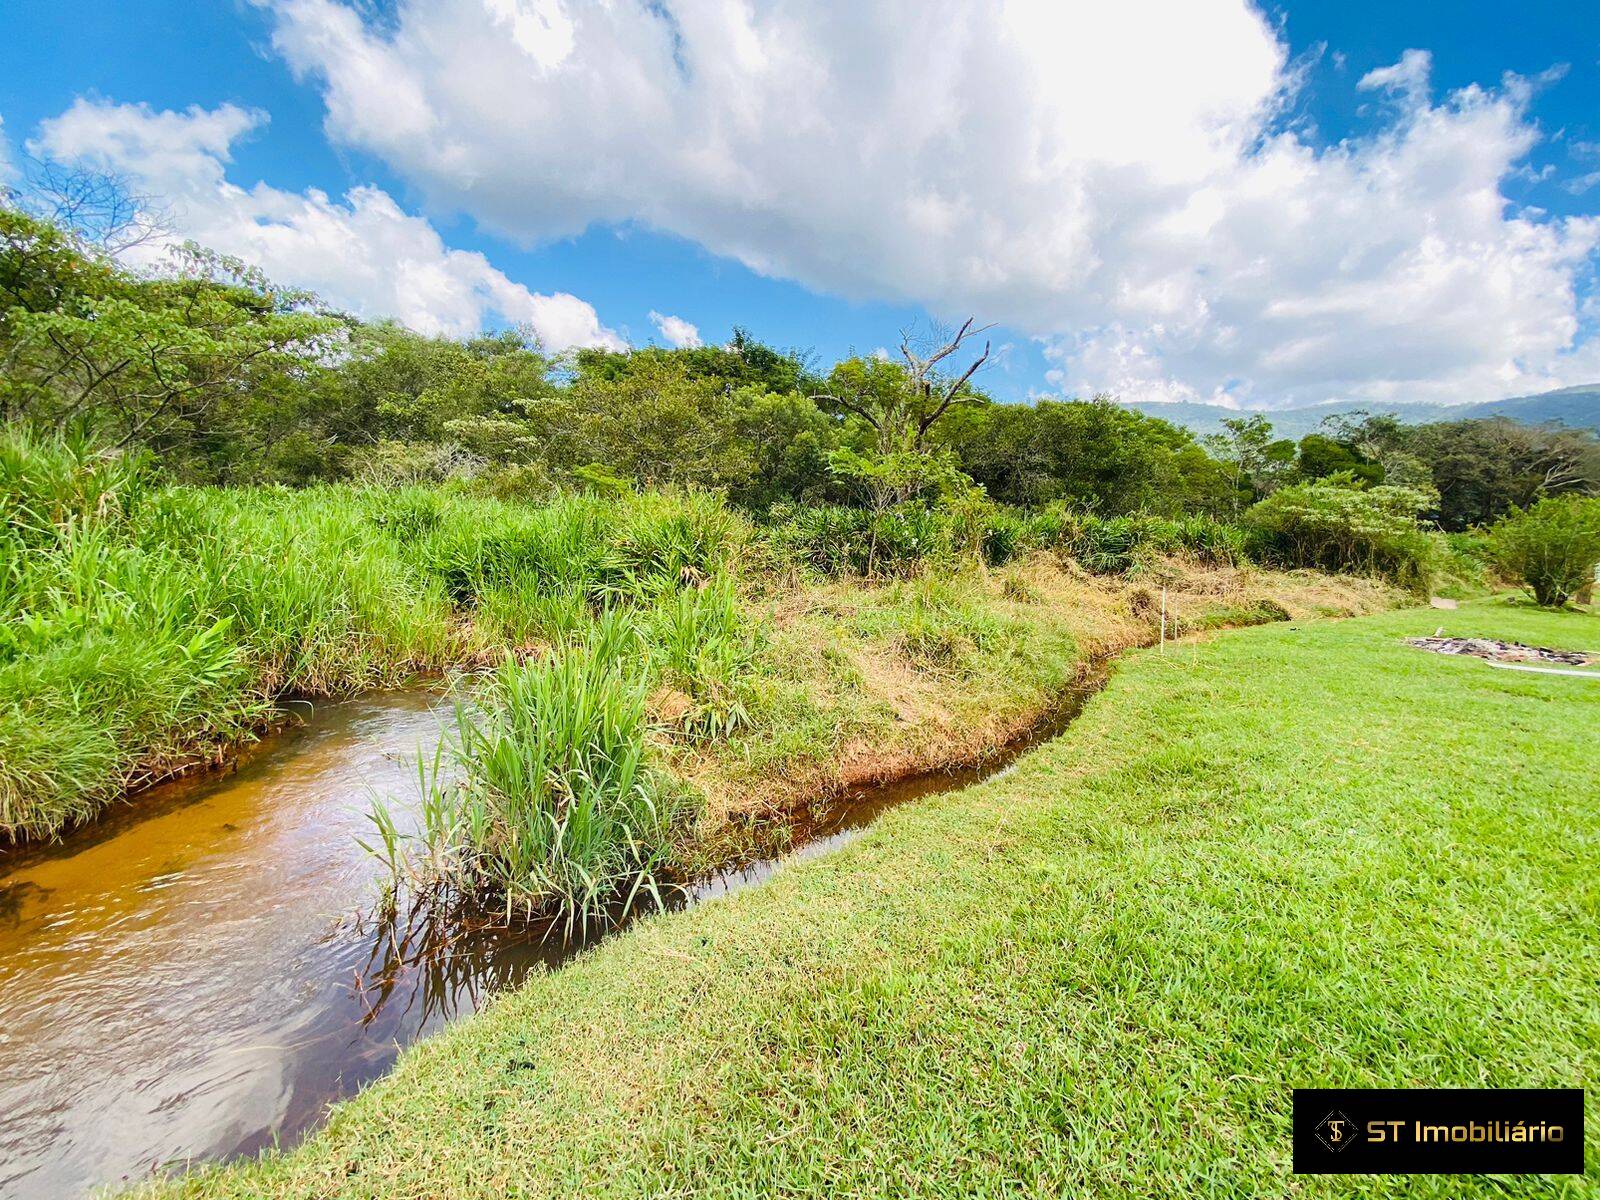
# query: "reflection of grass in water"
442,962
13,896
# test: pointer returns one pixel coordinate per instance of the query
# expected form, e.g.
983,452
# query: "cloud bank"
363,253
1113,180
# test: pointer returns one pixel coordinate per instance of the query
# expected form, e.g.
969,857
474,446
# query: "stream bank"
191,979
197,978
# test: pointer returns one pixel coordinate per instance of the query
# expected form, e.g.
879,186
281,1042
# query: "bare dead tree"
902,413
935,395
101,208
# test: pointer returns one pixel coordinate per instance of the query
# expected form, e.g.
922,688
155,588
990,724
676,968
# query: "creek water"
191,979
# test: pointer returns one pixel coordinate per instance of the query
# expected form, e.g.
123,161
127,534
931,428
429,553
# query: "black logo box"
1370,1131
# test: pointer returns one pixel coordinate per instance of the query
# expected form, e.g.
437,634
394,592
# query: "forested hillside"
1576,407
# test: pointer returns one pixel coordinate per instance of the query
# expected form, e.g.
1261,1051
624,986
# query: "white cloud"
363,253
1408,77
675,331
1107,178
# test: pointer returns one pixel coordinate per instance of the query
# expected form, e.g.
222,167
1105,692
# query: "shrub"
1333,525
1116,545
1005,537
836,540
1553,547
668,539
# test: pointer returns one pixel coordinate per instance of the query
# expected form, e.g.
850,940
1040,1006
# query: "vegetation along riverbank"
162,622
685,590
1302,852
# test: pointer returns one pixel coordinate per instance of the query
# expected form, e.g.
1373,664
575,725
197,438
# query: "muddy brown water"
190,979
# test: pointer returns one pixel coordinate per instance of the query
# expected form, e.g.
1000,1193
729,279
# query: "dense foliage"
228,379
1330,524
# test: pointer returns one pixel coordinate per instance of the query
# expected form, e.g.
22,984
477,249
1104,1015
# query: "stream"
190,979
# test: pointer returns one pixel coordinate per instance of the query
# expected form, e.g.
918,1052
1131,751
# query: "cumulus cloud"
675,331
1111,179
363,252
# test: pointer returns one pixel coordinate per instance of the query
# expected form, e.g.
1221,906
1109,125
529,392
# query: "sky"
1254,204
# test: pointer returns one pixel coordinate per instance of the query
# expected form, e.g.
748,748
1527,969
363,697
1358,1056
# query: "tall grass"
546,800
142,627
906,541
699,647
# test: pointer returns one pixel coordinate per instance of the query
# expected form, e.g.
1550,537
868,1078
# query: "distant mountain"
1578,407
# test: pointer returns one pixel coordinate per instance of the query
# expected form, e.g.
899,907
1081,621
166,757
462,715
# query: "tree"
902,404
1482,468
99,209
1256,462
791,439
1553,547
743,362
1096,454
140,359
1337,525
655,423
1320,456
1485,468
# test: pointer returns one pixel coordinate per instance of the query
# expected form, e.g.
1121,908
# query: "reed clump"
545,798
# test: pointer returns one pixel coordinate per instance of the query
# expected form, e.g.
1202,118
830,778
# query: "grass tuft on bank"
1298,854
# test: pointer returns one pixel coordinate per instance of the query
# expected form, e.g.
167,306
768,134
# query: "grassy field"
1292,855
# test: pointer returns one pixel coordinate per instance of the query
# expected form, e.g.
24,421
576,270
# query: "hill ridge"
1577,406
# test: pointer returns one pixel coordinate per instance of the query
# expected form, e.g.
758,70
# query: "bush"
836,540
553,805
1333,525
1552,547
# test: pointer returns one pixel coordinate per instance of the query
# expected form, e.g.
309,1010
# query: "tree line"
226,378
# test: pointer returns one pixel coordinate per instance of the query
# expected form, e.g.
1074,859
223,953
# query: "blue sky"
654,244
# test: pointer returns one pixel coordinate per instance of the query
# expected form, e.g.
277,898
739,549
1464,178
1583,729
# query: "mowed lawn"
1303,854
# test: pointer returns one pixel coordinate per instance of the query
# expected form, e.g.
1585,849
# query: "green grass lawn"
1301,854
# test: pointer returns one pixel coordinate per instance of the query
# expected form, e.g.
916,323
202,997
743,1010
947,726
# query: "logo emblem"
1336,1131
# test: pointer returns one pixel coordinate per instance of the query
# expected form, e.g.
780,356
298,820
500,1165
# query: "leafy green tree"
791,440
1256,462
146,360
1097,455
1481,468
1553,547
1320,456
1485,468
655,423
743,362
